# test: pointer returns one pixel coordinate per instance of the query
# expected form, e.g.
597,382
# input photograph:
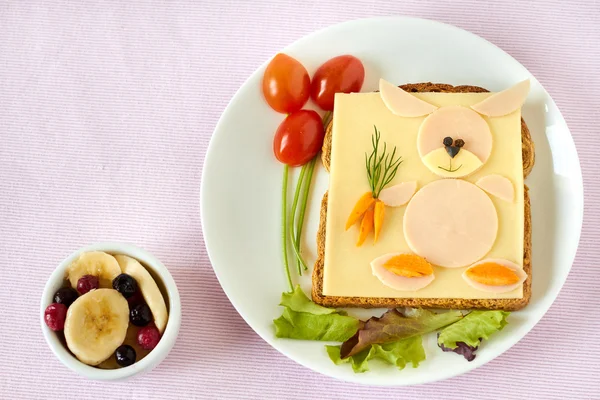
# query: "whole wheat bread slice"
390,302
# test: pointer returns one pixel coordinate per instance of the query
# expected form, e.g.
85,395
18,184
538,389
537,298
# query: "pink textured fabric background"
106,111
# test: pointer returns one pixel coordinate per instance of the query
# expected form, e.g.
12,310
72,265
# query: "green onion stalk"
293,227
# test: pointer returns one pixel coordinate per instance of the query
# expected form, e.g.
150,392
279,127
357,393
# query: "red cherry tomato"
342,74
286,84
299,138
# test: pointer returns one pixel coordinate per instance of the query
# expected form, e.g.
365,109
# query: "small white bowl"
167,340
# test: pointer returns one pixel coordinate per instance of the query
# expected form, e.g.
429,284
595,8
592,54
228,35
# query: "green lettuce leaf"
297,301
305,326
474,327
398,353
302,319
393,326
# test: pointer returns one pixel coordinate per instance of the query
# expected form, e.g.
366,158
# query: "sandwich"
426,205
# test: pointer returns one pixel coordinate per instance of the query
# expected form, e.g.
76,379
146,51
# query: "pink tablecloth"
106,110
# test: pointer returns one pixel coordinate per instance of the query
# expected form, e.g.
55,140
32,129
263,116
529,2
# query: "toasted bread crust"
375,302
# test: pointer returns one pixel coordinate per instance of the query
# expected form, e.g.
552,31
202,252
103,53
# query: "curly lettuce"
463,349
465,336
399,354
299,302
394,338
393,326
304,320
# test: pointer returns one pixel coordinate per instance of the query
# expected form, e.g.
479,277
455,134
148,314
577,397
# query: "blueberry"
447,141
65,296
459,143
125,355
125,284
140,315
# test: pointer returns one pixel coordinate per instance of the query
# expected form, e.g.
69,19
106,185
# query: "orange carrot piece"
409,265
492,274
361,206
379,214
366,226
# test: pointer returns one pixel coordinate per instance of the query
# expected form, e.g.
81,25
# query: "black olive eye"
447,141
459,143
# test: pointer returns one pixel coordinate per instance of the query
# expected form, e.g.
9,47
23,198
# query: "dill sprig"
381,168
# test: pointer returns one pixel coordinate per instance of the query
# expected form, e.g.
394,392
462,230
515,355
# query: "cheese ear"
403,103
504,102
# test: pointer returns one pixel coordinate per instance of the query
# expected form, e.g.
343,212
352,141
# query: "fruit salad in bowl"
110,311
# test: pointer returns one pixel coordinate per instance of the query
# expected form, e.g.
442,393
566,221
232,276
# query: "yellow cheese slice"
347,270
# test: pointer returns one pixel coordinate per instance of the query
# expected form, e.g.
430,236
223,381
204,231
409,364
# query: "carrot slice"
409,265
366,226
379,214
361,206
492,274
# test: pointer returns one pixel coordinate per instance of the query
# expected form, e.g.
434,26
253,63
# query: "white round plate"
241,185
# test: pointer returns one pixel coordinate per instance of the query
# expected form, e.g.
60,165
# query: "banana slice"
96,263
149,289
96,325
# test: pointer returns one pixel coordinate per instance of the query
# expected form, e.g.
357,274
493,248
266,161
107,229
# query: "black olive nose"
452,150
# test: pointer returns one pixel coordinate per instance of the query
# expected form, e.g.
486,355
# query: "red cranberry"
55,316
148,337
87,283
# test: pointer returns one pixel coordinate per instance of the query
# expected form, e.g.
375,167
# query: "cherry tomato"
299,138
342,74
286,84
